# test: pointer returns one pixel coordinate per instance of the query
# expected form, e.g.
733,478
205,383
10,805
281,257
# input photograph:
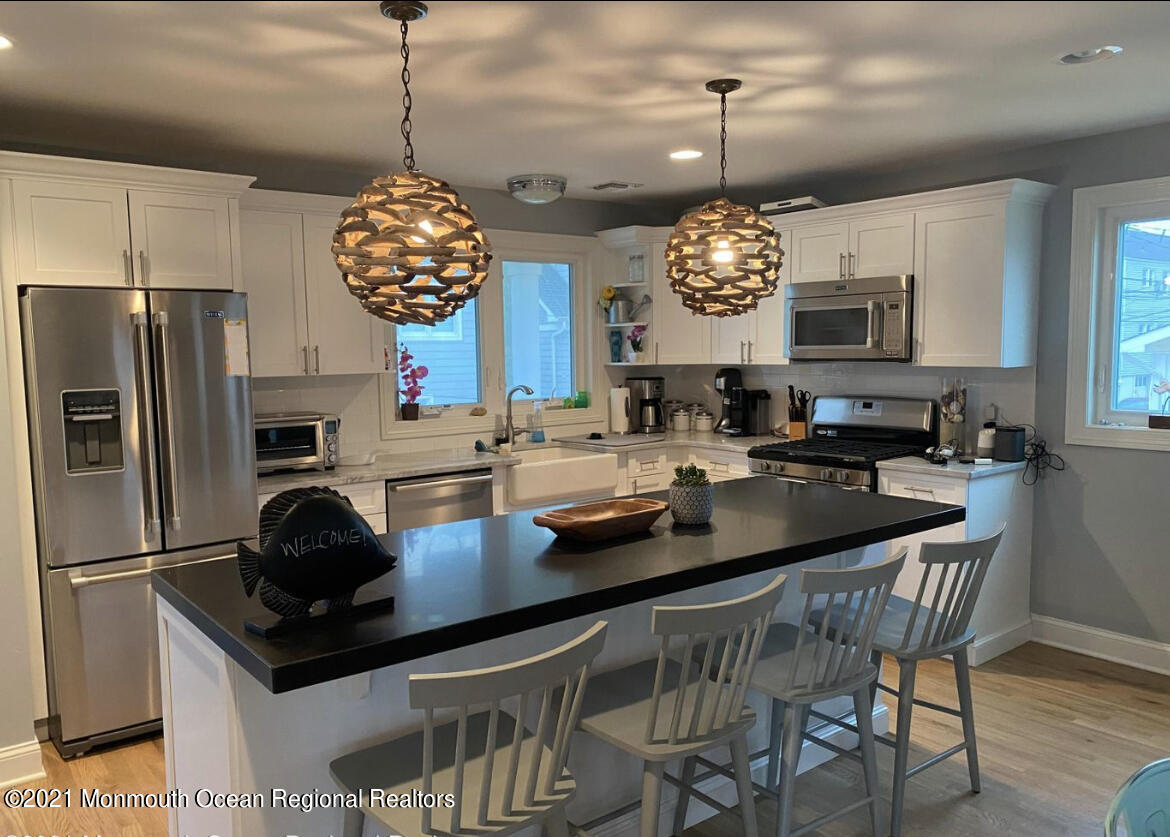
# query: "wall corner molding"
21,763
1133,651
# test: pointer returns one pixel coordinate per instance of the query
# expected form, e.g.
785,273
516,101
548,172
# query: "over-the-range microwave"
850,319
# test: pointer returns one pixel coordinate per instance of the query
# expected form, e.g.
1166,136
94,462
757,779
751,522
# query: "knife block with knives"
797,413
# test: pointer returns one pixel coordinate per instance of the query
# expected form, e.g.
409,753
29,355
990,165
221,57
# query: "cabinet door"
958,284
679,336
819,252
882,246
273,259
935,489
69,234
181,241
768,339
343,338
730,336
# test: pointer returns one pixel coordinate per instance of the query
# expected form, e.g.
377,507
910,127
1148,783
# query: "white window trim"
1094,208
582,252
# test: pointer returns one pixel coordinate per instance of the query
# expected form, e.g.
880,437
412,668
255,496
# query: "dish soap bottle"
536,434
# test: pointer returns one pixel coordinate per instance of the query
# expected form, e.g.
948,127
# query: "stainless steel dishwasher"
443,498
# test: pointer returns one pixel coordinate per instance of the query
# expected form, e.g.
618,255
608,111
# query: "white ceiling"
592,90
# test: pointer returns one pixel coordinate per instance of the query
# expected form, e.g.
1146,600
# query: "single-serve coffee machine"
729,385
646,408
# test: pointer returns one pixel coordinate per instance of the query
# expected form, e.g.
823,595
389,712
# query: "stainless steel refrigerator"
140,419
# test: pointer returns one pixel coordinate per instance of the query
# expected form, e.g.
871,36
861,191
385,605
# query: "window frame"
1098,212
581,253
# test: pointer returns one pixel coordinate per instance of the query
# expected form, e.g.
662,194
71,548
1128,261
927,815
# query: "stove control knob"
842,475
827,474
777,467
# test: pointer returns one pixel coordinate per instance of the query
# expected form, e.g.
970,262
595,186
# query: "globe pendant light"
408,248
723,258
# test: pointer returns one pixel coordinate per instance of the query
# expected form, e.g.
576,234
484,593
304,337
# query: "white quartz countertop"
957,470
710,441
388,466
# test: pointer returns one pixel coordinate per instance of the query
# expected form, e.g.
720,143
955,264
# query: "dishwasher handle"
432,484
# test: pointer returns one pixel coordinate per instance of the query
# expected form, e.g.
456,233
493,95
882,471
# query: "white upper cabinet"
71,234
881,246
303,321
181,241
819,252
679,336
100,224
757,336
273,257
345,339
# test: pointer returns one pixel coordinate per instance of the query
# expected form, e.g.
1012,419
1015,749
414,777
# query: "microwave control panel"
893,333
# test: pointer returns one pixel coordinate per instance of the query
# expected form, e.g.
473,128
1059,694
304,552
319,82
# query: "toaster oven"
296,442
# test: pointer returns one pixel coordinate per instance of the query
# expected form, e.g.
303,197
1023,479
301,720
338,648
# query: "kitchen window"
530,324
1119,315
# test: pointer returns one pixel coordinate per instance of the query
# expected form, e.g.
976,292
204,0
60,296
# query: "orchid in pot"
410,389
635,338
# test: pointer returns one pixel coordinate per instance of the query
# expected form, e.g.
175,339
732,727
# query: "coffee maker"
729,385
646,408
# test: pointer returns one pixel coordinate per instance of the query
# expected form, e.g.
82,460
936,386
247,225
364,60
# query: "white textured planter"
692,505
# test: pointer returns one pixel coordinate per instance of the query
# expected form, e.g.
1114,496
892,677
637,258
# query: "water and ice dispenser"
93,430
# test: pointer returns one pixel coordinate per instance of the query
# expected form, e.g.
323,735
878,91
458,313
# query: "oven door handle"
875,318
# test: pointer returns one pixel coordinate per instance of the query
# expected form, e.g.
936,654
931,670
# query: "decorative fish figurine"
313,546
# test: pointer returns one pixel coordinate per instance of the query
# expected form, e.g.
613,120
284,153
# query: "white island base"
226,733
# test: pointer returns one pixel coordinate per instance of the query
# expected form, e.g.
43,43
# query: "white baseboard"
1106,645
989,647
21,763
722,788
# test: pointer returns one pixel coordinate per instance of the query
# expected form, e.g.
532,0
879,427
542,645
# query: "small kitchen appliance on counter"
848,436
296,442
729,385
757,412
1009,444
647,413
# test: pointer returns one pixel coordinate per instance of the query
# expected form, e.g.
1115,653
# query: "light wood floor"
1058,733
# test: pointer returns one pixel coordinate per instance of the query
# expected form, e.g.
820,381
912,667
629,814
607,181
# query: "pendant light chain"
408,148
723,144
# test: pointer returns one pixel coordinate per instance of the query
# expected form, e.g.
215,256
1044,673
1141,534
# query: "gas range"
849,435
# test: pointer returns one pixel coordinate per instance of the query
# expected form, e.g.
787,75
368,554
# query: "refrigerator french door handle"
166,416
145,424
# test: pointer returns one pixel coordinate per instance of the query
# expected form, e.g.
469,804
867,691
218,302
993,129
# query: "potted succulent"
410,389
692,498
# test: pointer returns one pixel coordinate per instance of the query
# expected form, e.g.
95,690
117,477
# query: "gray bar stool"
677,707
935,624
497,771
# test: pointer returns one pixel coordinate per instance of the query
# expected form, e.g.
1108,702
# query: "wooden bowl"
604,520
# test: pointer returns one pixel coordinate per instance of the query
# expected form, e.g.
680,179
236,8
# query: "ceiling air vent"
615,186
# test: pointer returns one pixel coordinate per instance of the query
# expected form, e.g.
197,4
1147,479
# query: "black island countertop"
461,583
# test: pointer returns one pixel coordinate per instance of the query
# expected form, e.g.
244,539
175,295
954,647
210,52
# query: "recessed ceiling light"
686,154
5,42
1084,56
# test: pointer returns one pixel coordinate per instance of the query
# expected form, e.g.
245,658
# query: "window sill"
397,429
1133,438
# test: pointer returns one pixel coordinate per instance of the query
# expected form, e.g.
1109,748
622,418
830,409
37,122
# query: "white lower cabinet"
646,470
1002,616
720,465
368,500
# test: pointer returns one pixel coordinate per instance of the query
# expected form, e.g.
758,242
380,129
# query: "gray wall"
1100,536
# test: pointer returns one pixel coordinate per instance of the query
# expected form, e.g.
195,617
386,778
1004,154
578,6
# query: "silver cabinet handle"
142,262
841,266
427,486
741,351
918,490
316,360
852,257
166,413
656,351
749,360
305,358
128,267
145,424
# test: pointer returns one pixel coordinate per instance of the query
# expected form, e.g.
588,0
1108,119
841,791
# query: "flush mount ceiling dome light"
537,188
1084,56
723,257
408,248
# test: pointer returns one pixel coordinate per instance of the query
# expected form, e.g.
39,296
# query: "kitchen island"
247,715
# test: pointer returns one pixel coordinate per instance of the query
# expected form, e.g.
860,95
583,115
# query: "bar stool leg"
795,721
743,781
963,682
906,672
863,709
557,825
684,794
776,725
352,823
651,797
876,659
